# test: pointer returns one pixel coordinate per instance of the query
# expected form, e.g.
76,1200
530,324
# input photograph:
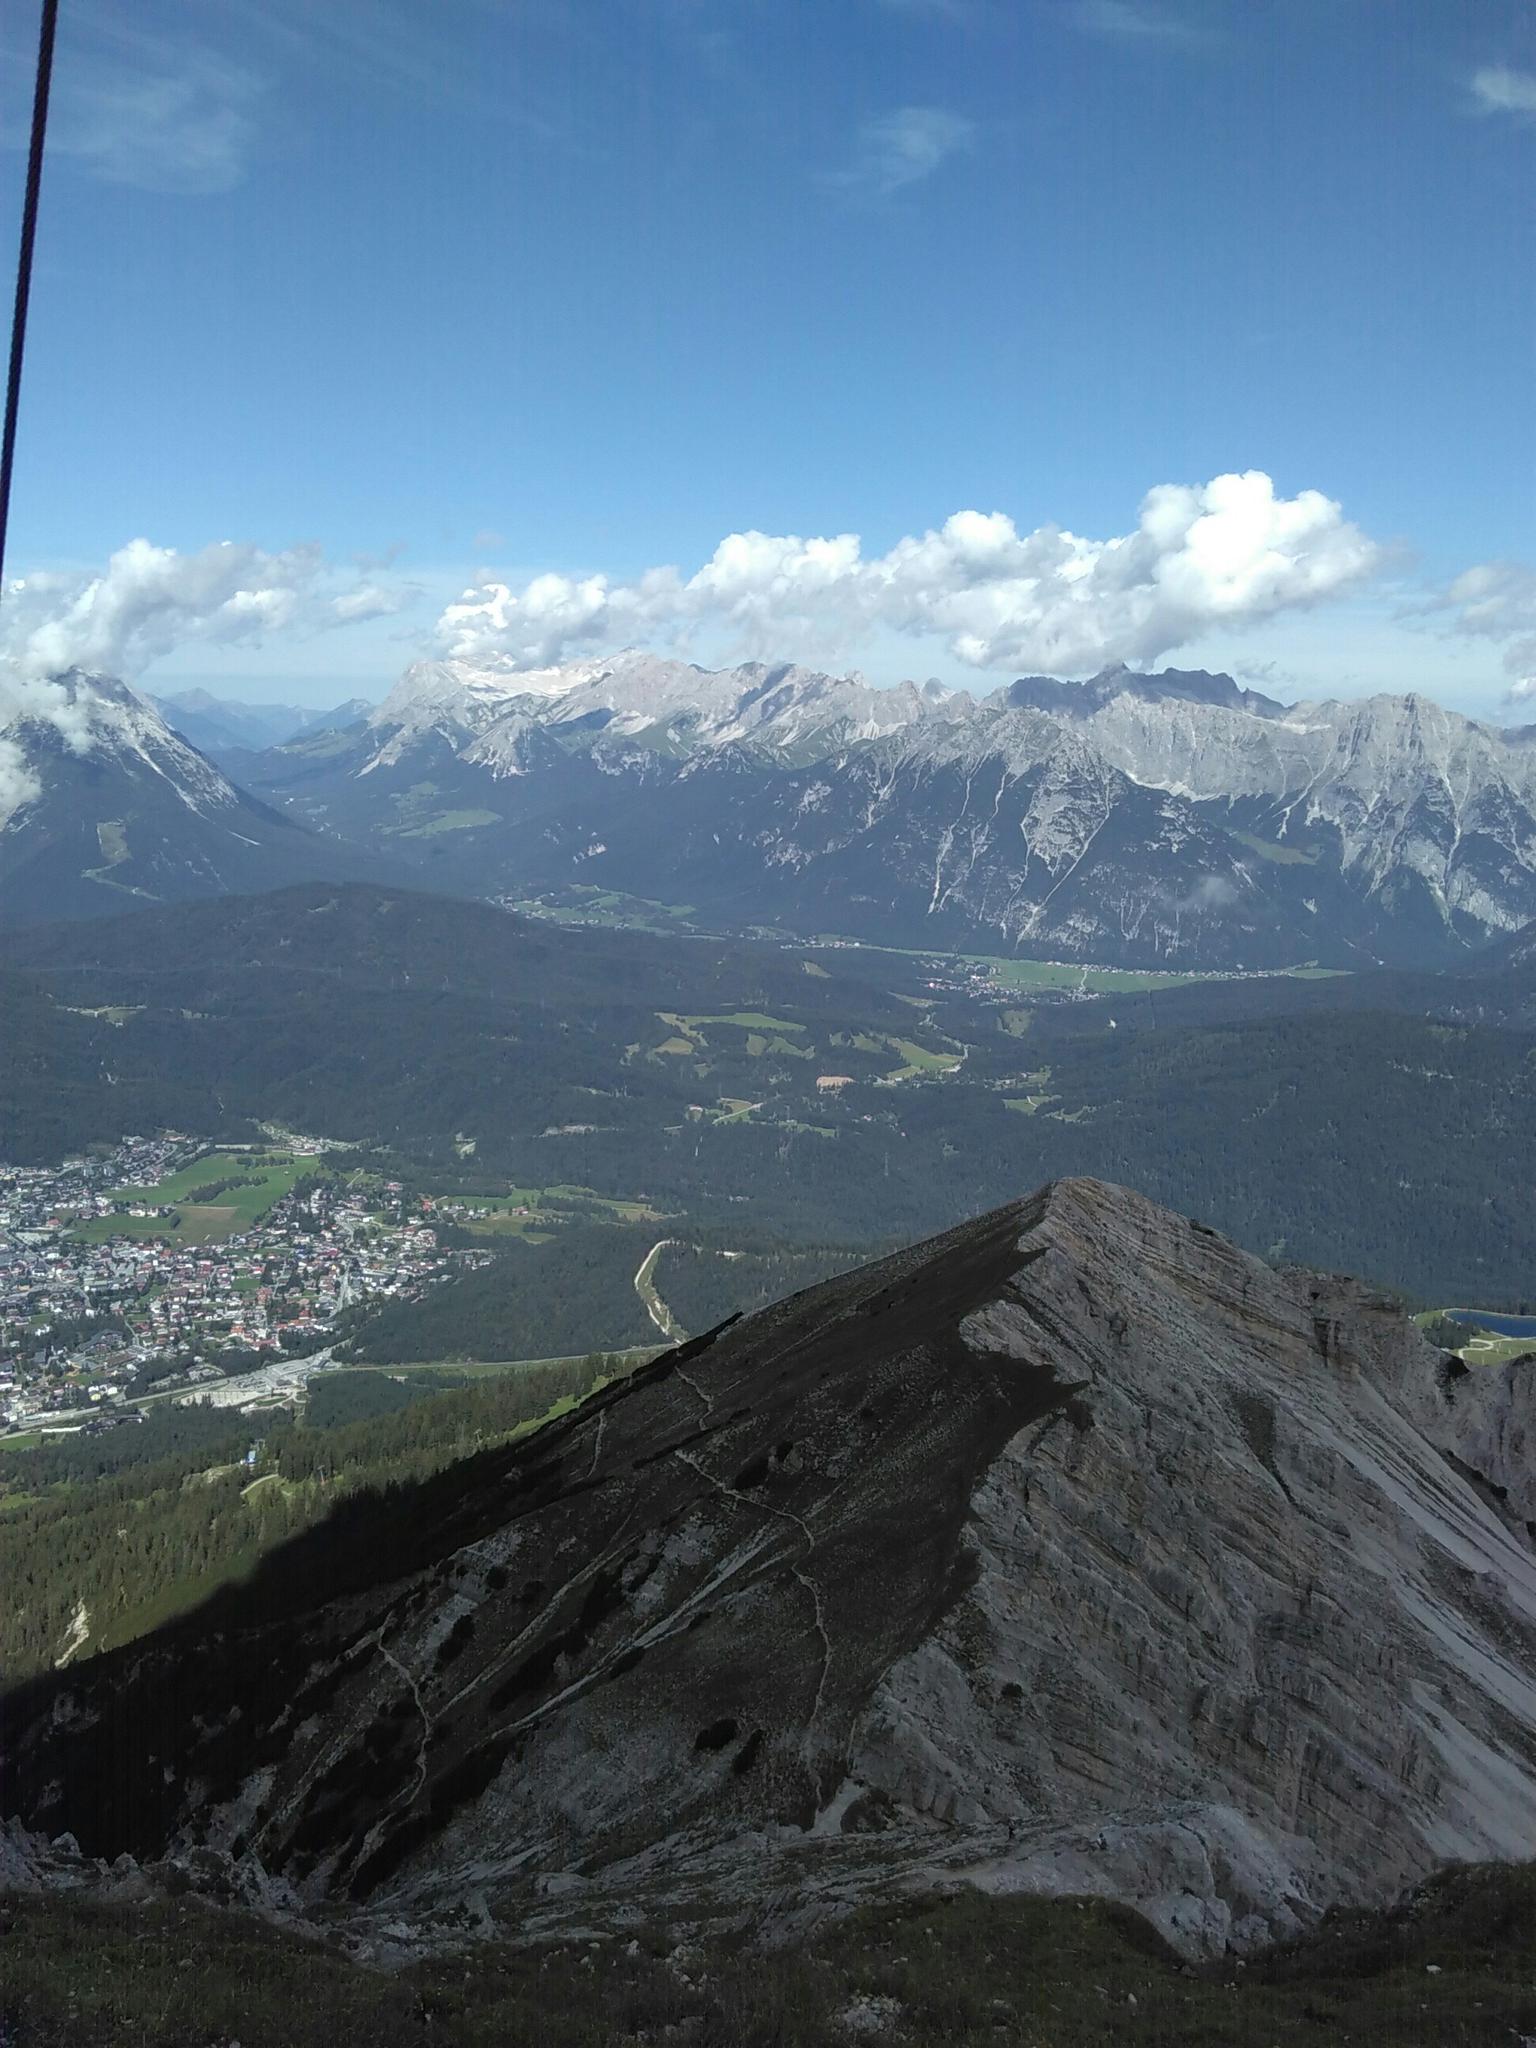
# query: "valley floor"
1449,1968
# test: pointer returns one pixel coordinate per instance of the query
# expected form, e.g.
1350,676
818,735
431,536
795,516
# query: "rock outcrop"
1073,1550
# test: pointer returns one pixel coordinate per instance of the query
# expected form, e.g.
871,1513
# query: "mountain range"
1137,819
220,726
1141,820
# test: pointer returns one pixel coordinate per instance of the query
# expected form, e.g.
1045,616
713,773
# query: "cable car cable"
24,264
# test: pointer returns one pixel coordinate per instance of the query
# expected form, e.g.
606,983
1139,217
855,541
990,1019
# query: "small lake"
1505,1326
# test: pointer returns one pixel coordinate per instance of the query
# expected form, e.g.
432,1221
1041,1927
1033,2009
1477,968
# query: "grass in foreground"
1451,1969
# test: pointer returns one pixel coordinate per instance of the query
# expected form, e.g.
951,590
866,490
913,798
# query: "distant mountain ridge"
218,725
1190,686
1139,819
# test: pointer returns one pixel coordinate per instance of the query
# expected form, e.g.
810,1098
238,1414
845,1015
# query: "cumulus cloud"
40,701
368,601
900,149
1209,896
1495,601
148,600
1227,553
1500,90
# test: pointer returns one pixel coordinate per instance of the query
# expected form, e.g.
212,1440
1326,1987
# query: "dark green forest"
1292,1115
544,1301
125,1529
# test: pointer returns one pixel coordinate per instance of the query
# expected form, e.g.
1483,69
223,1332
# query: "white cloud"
1521,692
154,116
369,601
1128,21
1499,90
149,600
1224,554
1210,894
902,148
18,785
146,602
1495,601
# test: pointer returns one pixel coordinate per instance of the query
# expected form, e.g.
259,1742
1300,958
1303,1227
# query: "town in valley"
169,1268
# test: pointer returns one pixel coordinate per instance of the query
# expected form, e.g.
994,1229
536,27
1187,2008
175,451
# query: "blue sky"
467,292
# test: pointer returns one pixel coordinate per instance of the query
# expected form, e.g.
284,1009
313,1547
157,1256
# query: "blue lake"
1506,1326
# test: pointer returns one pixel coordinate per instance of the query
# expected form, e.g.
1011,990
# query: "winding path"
655,1307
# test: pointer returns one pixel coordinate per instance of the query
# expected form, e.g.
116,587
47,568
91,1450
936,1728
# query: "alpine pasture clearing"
270,1175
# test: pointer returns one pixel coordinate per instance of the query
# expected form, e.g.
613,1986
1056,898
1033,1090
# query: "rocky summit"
1072,1551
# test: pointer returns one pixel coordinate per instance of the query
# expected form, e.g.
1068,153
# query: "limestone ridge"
1074,1549
1131,818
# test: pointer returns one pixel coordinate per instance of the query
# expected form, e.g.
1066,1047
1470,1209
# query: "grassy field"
687,1037
448,821
1495,1350
236,1208
917,1059
99,1228
1099,981
1043,976
1272,850
1479,1346
486,1368
1117,981
1451,1969
547,1208
608,907
746,1020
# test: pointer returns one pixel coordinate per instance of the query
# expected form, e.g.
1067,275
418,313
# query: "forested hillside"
101,1538
784,1104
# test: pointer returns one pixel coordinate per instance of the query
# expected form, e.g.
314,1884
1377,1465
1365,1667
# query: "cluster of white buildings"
88,1322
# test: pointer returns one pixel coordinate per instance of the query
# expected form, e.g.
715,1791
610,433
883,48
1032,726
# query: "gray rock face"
1073,1550
1135,818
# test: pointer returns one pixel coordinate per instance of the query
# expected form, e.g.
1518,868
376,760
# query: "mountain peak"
1190,686
104,807
1062,1551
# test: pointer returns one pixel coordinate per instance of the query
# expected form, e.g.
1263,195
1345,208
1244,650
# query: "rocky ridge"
1225,828
1074,1550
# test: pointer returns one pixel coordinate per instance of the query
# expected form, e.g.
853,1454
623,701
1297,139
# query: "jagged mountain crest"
1390,830
1194,686
1173,819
